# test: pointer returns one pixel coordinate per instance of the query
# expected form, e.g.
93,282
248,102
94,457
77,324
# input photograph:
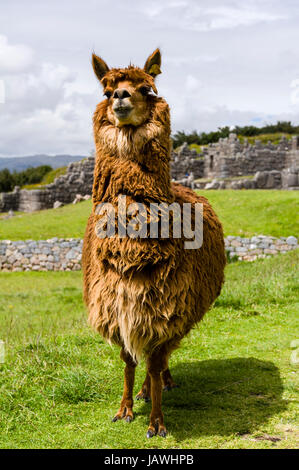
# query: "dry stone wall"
59,254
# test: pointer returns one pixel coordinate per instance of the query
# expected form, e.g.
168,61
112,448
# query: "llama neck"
146,178
135,162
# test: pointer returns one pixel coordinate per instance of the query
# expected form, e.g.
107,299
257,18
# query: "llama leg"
126,406
145,392
157,363
167,381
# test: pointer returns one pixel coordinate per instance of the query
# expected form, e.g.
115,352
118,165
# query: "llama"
144,294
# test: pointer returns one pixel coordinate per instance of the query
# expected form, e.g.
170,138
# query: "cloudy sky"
223,63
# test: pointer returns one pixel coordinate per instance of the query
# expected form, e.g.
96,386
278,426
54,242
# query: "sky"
223,63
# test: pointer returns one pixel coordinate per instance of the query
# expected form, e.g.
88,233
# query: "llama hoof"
142,396
163,433
167,388
150,433
124,413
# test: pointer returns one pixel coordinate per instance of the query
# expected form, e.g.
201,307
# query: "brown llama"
144,294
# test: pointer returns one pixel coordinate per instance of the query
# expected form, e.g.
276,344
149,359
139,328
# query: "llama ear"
99,66
153,63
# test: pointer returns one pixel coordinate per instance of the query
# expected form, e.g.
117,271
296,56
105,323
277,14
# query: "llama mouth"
122,111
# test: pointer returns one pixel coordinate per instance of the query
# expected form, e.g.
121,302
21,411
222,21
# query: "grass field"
244,213
61,384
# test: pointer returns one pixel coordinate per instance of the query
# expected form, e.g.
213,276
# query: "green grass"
47,179
242,212
61,383
265,138
197,147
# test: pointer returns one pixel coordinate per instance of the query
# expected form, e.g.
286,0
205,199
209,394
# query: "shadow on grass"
221,397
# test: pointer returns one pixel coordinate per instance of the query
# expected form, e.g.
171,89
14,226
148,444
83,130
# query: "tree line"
204,138
32,175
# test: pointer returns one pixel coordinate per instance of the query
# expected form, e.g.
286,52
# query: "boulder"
213,185
57,204
292,240
260,179
78,198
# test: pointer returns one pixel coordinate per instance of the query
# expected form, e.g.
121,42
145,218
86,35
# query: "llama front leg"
156,364
126,406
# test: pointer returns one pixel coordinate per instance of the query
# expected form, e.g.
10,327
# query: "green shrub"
30,176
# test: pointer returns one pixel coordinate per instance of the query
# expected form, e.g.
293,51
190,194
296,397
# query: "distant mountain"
21,163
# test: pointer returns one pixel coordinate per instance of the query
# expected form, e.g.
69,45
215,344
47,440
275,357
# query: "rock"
78,198
260,179
292,240
213,185
247,184
241,249
236,243
57,204
235,185
292,179
267,251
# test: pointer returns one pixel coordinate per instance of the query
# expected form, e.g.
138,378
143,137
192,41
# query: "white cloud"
224,62
2,92
14,58
295,93
202,17
42,113
192,84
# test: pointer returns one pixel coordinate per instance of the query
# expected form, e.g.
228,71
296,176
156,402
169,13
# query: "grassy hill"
48,178
244,213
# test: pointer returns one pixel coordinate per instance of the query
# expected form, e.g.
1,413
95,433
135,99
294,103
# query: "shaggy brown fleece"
144,294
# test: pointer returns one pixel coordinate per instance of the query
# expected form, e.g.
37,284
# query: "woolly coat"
143,293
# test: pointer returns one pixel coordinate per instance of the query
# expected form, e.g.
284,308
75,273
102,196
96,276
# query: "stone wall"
230,158
186,163
77,180
261,246
285,179
56,254
59,254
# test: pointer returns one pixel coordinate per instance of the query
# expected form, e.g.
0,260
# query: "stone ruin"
65,189
235,165
227,164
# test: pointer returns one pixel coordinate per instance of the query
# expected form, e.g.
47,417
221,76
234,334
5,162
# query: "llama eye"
108,94
144,90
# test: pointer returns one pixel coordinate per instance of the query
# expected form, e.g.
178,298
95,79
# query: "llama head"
128,90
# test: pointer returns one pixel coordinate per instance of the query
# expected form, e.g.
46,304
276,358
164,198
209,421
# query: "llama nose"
121,93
